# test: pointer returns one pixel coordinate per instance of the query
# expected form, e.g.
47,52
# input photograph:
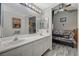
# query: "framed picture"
63,19
16,22
32,24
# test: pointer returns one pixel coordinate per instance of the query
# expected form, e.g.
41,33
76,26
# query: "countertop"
22,41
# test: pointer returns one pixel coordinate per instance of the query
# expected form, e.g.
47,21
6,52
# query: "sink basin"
12,43
7,39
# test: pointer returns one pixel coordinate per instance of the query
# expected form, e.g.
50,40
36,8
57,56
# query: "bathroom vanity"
27,46
23,33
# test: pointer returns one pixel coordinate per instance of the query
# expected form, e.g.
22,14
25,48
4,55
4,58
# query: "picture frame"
16,22
63,19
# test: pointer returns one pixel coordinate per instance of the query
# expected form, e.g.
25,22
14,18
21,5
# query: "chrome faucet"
40,33
15,39
16,33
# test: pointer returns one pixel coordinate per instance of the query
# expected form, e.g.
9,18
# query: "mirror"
21,20
45,23
38,21
42,23
17,19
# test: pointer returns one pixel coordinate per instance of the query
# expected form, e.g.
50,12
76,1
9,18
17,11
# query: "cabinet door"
50,42
14,52
47,43
26,50
38,48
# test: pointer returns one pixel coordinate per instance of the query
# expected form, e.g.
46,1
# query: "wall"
78,29
0,31
71,21
48,14
0,19
19,11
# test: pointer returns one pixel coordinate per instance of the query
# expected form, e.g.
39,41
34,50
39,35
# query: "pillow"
67,32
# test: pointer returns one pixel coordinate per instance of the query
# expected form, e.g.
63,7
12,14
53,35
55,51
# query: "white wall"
71,21
48,14
19,11
0,31
78,29
0,20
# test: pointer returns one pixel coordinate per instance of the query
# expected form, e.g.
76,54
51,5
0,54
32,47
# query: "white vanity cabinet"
47,43
40,46
35,48
20,51
26,50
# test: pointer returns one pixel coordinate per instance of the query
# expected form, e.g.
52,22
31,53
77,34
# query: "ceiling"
74,6
44,5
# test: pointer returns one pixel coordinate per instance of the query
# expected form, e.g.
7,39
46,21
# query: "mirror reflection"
18,19
32,25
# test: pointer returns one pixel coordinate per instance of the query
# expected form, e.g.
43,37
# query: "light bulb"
61,10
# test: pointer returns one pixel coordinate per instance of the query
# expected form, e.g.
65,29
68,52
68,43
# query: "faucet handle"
17,32
15,38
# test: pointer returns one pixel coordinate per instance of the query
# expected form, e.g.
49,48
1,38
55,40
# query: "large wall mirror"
17,21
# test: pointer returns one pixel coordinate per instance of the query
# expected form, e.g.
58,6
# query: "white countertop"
22,40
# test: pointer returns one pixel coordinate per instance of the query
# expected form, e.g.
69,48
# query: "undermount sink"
11,42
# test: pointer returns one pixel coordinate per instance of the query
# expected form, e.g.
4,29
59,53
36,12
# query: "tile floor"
61,50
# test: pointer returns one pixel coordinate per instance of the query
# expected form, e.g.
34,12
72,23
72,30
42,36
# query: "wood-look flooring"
61,50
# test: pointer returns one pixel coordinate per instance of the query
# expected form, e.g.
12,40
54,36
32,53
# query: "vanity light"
33,7
39,11
36,9
26,3
30,5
